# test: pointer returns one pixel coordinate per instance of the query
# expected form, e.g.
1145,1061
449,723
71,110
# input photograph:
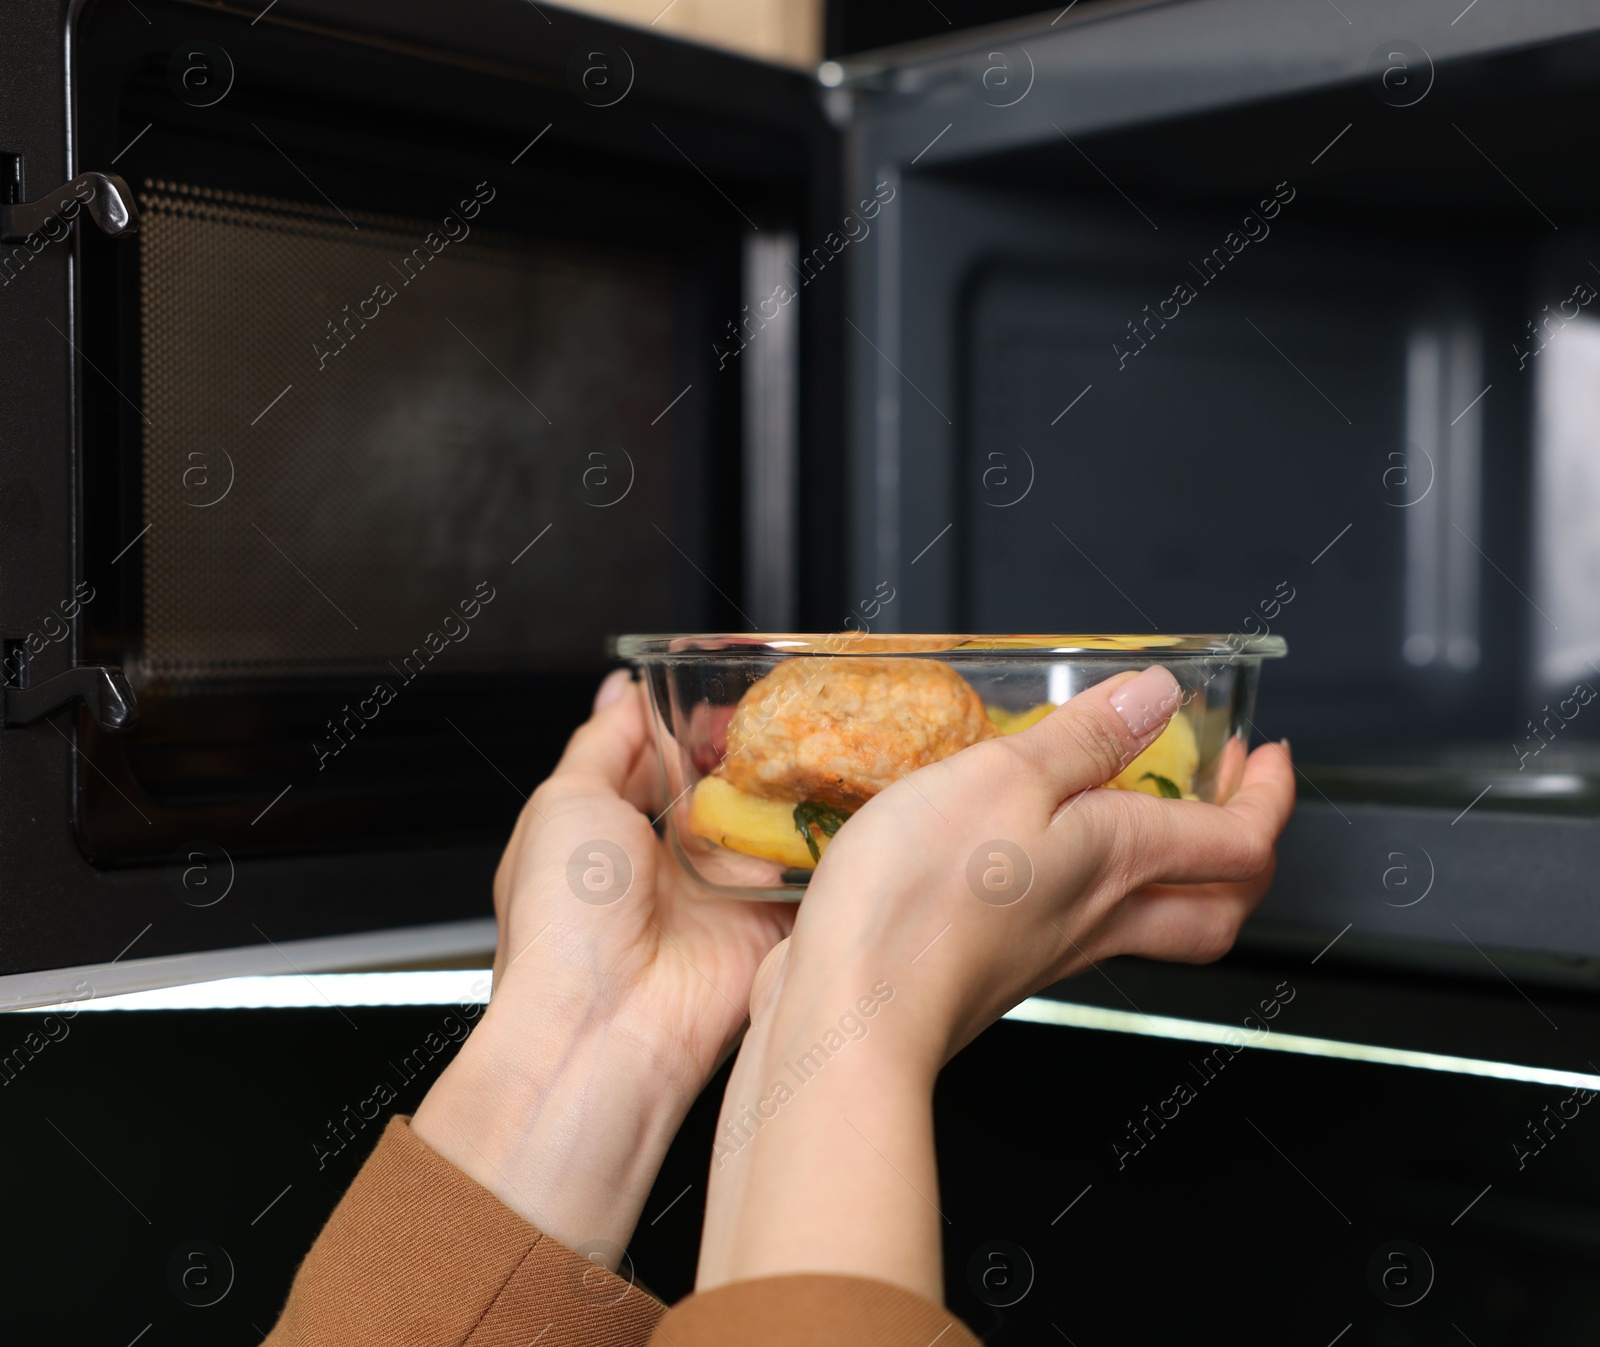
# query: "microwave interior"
1310,364
1285,345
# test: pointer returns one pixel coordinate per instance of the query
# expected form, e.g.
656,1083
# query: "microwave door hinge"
104,196
104,690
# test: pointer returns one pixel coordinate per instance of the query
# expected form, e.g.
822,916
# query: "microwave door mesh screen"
349,428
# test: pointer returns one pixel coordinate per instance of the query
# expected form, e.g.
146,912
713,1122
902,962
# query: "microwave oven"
368,366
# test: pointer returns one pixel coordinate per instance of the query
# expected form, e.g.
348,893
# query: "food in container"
769,743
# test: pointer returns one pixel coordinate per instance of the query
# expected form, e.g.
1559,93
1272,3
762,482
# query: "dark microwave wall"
1178,499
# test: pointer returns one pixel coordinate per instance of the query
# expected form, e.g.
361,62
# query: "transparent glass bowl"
767,742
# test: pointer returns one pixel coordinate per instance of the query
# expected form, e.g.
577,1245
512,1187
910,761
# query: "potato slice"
733,818
1009,722
1173,757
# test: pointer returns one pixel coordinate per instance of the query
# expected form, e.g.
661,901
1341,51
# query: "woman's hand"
949,898
1036,873
617,993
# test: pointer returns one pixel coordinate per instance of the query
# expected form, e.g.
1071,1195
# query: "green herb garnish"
824,818
1169,791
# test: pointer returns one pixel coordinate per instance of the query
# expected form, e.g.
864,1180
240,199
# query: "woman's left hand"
617,992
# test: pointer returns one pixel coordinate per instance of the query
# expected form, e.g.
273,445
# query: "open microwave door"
403,387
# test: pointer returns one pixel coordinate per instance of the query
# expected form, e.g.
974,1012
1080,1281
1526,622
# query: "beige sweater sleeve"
418,1255
810,1310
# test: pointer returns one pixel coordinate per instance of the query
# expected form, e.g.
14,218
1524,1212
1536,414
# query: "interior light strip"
470,986
1040,1010
299,991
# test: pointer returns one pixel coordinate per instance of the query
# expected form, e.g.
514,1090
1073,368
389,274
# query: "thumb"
611,688
1096,734
608,744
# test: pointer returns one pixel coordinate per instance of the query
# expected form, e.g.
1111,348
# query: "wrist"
856,1010
862,1027
823,1162
563,1119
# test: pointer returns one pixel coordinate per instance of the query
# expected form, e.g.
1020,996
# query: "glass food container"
768,742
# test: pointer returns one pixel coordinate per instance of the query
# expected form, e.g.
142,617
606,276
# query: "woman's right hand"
949,898
1007,853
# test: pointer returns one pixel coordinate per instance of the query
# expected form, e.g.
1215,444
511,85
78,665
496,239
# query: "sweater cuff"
418,1253
810,1310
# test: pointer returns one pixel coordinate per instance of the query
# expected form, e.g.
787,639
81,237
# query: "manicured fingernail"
1147,701
611,689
